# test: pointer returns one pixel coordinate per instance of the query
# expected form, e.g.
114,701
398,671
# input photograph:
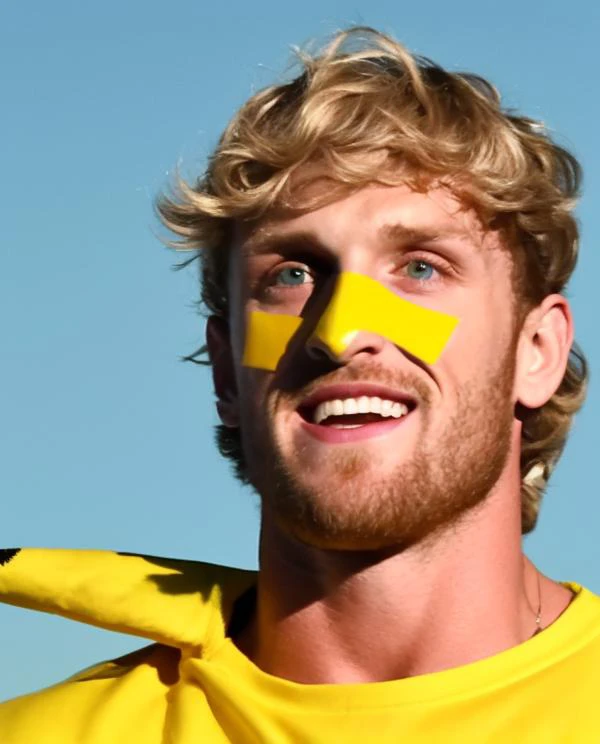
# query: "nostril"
321,351
342,347
317,352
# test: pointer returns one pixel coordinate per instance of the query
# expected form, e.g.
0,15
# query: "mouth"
347,413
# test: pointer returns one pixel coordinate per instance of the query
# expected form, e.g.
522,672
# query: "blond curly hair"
368,111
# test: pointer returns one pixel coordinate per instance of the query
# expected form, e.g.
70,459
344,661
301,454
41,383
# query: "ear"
544,345
223,371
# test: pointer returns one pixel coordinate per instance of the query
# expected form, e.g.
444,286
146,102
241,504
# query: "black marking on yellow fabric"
7,554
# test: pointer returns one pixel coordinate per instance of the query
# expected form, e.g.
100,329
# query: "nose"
324,347
364,315
343,329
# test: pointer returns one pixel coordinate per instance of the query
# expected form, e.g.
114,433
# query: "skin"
400,554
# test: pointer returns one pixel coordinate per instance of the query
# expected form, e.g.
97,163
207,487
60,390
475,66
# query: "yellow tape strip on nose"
358,303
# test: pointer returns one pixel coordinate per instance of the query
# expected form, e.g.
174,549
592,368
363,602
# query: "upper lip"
355,390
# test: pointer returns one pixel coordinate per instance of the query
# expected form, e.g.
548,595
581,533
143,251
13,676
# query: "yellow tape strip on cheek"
267,337
360,303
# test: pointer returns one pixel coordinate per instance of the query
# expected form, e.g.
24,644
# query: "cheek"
245,379
237,326
478,348
253,392
239,304
487,320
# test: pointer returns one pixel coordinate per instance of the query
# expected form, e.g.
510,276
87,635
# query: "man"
383,254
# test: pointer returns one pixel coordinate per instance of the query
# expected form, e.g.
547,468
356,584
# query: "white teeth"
375,404
364,404
335,408
386,407
350,406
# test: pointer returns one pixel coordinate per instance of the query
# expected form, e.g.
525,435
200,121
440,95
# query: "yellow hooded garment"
193,686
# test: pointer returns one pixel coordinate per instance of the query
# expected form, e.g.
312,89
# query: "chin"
333,529
390,490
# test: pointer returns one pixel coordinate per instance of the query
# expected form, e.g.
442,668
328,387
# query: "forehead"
381,214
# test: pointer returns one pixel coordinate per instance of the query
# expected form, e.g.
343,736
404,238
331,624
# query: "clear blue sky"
106,438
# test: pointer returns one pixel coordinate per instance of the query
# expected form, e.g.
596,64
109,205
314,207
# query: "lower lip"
333,435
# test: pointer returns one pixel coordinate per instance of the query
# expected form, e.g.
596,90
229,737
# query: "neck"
347,617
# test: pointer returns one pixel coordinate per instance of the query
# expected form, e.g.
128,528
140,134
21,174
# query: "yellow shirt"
193,686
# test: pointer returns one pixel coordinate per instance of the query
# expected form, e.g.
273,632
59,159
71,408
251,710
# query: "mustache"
372,373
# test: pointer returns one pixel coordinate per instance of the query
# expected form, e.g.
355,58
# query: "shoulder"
125,698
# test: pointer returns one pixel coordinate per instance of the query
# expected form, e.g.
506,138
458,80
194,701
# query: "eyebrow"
265,240
399,232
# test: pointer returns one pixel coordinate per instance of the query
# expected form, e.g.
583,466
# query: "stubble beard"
442,482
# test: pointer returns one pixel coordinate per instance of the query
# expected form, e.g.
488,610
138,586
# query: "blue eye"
293,276
420,270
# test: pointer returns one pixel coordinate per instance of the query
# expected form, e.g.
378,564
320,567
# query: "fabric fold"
174,602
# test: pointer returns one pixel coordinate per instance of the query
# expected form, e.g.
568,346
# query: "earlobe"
223,371
545,342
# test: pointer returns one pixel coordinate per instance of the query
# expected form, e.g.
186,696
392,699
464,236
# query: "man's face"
362,480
